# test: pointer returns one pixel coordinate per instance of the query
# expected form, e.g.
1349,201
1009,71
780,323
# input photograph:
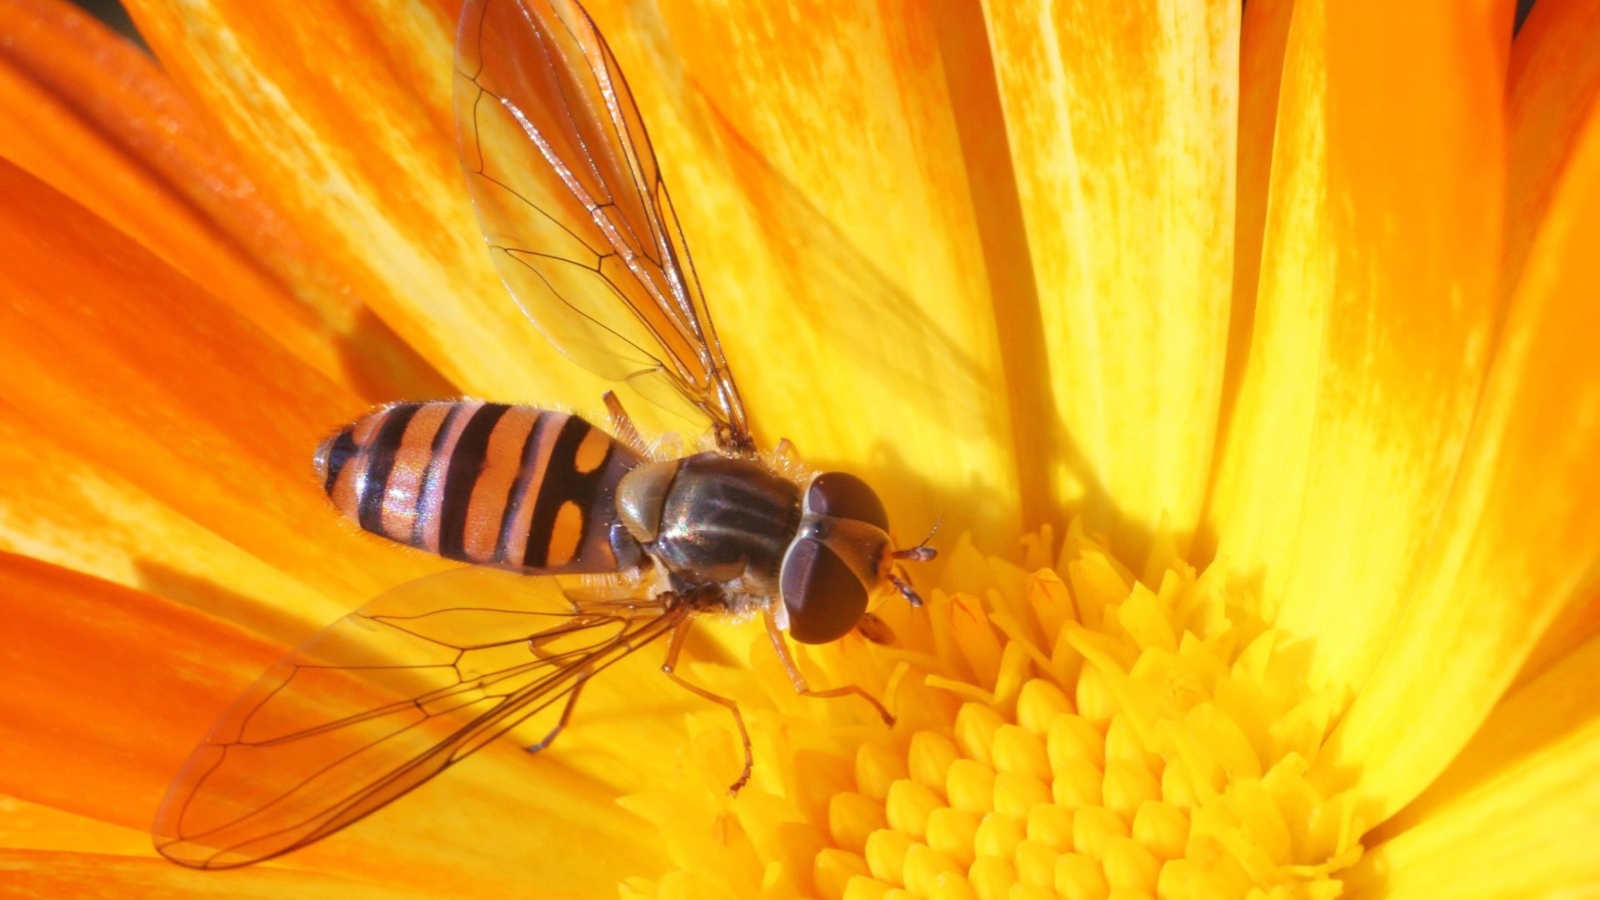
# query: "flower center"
1077,733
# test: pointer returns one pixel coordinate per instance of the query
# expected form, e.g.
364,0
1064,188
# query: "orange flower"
1283,320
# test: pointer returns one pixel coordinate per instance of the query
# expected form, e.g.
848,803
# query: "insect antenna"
921,552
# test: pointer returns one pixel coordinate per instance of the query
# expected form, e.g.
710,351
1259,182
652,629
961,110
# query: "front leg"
800,686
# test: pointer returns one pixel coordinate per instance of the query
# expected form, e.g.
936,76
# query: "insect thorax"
713,520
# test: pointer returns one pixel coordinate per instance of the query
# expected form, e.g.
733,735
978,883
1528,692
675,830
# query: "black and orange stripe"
484,483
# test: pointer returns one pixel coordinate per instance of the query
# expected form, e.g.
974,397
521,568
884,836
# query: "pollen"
1065,730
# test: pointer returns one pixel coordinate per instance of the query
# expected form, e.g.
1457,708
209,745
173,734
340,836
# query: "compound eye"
841,495
824,598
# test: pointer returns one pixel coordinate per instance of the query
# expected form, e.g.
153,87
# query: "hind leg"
566,715
674,647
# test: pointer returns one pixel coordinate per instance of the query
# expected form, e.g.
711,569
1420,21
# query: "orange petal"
1516,813
834,225
1501,16
1575,624
108,689
343,121
144,376
31,826
59,504
1122,122
89,666
89,114
40,873
52,853
1517,541
1553,81
1373,318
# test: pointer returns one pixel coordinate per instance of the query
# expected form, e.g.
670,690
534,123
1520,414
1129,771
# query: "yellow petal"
1517,540
1372,322
818,169
1122,122
343,121
1516,813
1263,35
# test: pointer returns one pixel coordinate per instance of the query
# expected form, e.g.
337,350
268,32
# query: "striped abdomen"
483,483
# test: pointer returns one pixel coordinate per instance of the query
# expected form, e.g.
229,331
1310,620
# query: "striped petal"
156,383
92,116
1122,123
1518,538
1373,319
1515,814
343,122
60,504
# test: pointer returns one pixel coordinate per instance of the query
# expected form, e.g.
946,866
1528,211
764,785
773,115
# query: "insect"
583,233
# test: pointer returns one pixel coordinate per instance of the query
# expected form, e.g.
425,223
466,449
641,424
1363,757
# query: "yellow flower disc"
1065,730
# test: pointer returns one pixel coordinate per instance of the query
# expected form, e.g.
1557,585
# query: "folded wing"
574,209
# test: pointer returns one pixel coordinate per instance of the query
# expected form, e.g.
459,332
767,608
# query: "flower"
1282,320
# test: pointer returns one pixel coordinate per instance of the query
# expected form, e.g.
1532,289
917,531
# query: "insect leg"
800,686
674,647
566,714
622,424
902,583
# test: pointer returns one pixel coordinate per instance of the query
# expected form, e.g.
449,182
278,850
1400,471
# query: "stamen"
1066,733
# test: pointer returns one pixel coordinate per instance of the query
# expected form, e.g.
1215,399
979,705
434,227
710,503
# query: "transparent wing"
574,209
383,700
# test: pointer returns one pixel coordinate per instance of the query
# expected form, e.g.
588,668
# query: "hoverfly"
583,233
